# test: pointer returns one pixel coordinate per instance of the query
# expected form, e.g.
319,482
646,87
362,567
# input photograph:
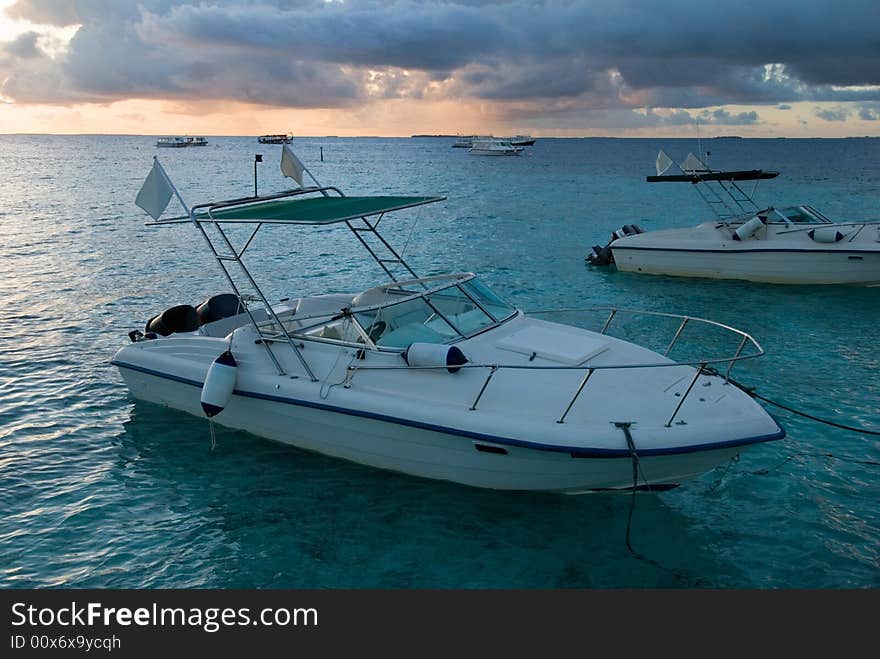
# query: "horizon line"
440,136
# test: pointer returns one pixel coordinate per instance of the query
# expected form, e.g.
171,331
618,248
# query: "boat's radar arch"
311,206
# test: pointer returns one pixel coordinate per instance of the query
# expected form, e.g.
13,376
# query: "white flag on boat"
291,166
693,164
664,162
156,191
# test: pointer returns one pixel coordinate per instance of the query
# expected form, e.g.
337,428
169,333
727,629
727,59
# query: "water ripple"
100,491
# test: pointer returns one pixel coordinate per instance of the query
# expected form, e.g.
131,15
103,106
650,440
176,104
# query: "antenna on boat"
700,144
258,157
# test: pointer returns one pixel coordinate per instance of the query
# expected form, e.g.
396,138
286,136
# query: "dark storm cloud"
722,116
23,46
597,54
868,113
832,114
429,36
577,118
503,81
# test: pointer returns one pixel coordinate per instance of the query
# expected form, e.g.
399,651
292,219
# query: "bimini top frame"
299,207
732,202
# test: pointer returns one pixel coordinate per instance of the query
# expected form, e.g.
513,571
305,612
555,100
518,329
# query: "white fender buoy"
825,235
748,229
219,383
434,354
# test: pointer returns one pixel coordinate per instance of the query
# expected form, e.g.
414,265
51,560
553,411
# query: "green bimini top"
313,210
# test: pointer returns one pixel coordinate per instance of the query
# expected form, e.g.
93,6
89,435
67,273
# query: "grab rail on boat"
685,321
831,225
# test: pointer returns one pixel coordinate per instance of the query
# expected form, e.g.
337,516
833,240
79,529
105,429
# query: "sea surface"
98,490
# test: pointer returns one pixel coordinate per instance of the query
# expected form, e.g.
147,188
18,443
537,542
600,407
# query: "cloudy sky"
398,67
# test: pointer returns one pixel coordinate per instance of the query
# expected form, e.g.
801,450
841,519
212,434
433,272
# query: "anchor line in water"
634,456
636,470
754,394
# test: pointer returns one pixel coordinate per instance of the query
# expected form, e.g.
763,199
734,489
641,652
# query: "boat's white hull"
426,452
775,253
838,266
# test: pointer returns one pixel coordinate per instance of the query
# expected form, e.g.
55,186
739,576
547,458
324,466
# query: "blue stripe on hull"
746,251
581,452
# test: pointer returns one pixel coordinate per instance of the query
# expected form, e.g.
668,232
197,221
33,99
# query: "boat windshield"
460,309
801,215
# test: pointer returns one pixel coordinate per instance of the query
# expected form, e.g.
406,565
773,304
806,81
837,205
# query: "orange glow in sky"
433,112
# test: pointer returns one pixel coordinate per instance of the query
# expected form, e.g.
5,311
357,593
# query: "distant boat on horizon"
467,141
520,140
179,141
285,138
494,147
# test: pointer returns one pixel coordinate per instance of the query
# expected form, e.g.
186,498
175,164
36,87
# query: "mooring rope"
754,394
636,471
828,422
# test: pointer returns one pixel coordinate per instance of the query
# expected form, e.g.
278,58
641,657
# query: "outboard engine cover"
182,318
626,230
434,354
603,255
600,256
219,307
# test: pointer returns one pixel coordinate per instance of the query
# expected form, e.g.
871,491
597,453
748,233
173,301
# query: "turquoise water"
100,491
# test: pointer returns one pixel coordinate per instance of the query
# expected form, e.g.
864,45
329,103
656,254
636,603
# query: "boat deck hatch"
569,347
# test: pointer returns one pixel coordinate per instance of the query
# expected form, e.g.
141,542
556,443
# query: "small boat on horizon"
521,140
285,138
179,141
787,245
494,147
464,141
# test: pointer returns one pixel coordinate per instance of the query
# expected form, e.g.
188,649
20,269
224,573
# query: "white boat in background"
494,147
790,245
178,142
434,376
464,142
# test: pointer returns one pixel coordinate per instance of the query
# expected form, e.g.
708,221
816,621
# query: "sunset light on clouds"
602,67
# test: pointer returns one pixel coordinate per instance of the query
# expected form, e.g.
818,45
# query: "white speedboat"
493,147
435,376
791,245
